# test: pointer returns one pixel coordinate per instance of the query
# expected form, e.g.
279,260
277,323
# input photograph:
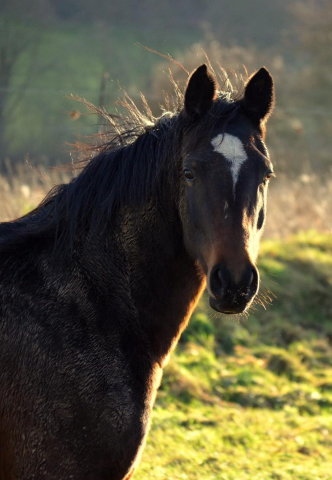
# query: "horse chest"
90,402
102,423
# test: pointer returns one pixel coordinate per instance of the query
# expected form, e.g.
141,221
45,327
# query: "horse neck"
165,283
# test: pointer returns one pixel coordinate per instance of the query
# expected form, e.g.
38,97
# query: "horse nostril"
253,282
223,287
216,282
219,275
251,279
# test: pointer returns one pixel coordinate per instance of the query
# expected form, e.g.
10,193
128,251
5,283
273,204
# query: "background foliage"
52,48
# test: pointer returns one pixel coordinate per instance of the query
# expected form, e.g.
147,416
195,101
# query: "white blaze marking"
232,149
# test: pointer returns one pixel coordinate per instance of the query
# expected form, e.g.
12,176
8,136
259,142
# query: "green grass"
252,398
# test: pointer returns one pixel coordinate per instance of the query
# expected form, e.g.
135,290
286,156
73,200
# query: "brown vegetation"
295,204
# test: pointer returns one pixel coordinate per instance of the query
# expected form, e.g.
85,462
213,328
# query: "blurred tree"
41,11
314,29
17,45
312,90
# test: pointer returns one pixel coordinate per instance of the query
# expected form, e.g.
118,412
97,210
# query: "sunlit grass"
231,442
259,413
253,399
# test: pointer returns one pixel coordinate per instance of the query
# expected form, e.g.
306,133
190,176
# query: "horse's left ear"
258,99
200,92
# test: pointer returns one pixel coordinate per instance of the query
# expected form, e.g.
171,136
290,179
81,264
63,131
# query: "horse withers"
98,282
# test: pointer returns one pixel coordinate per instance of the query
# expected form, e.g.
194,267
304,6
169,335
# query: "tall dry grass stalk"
301,204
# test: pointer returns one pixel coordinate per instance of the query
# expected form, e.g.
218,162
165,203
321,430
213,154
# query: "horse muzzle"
232,294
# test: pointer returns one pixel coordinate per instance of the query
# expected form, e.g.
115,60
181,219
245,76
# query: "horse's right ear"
200,92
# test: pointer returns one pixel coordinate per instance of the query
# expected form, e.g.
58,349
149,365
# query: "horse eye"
189,175
267,177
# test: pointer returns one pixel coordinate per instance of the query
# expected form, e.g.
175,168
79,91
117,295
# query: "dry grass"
301,204
294,205
23,187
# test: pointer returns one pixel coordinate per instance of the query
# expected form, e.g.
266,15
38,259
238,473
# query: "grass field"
251,398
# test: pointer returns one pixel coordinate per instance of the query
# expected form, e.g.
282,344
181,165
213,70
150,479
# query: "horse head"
225,174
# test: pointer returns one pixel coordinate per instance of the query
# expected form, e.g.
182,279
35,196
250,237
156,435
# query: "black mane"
138,161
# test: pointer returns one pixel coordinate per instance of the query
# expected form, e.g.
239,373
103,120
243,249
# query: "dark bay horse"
98,282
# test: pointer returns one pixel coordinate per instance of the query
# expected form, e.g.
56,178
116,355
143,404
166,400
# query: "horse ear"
258,97
200,92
